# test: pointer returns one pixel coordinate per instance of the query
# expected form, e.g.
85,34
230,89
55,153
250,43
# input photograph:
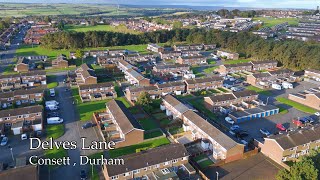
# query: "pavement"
254,167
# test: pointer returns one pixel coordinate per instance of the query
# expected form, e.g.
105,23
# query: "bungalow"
94,92
193,85
117,124
155,48
228,55
234,68
149,164
22,65
221,145
264,65
60,62
85,75
21,120
192,60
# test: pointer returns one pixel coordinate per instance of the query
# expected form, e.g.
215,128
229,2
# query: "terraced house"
212,139
310,99
291,145
109,59
22,65
170,54
21,97
176,88
259,78
85,75
9,82
192,60
18,81
60,62
134,77
118,124
95,92
132,93
228,55
264,65
193,85
234,68
163,69
158,163
21,120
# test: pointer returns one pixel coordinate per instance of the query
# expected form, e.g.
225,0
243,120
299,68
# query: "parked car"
298,122
229,120
87,125
241,134
317,113
232,79
4,141
234,127
83,175
280,127
265,132
24,136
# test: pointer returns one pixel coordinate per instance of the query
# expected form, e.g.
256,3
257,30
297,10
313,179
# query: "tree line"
292,54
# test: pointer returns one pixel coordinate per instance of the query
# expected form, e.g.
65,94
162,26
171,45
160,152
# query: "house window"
115,177
136,171
175,160
24,96
38,114
156,166
166,163
7,118
146,169
26,115
184,158
20,116
126,174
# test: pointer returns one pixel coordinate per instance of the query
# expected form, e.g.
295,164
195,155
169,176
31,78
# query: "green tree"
47,19
144,99
304,169
177,24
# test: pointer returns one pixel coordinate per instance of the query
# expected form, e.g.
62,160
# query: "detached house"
118,124
94,92
60,62
21,120
193,85
85,75
150,164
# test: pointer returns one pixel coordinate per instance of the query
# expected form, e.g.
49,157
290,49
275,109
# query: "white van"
52,92
287,85
52,107
52,102
276,86
54,120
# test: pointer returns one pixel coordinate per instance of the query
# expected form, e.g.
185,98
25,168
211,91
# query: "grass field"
236,61
28,50
52,85
55,131
120,28
259,91
199,105
269,22
147,124
142,146
153,134
296,105
55,154
283,110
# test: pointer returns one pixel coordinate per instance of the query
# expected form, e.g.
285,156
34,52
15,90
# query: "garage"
254,113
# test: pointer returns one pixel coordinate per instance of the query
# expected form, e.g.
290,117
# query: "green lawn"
87,109
152,134
52,85
222,89
142,146
210,69
269,22
205,163
55,131
175,130
237,61
147,124
124,101
55,154
211,61
82,28
282,110
93,173
197,158
259,91
296,105
199,105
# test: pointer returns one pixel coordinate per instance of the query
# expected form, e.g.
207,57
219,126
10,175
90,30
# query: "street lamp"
217,175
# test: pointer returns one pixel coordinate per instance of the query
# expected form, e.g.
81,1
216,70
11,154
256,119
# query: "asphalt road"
7,55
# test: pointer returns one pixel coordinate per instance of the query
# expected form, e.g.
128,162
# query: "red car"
297,122
280,127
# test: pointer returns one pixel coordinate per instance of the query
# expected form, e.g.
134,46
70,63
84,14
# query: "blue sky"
311,4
